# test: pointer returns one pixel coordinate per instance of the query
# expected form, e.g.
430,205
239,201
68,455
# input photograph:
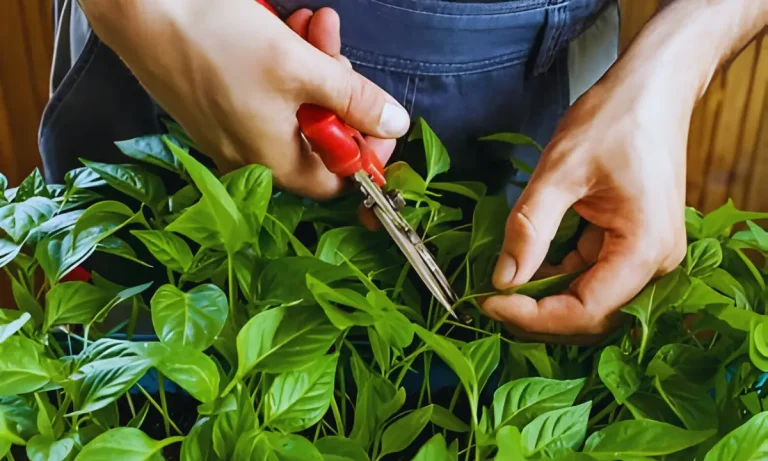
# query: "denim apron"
469,69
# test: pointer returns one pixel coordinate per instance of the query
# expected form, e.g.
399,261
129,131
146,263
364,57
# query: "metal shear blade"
409,242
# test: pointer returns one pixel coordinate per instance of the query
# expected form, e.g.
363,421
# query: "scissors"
345,153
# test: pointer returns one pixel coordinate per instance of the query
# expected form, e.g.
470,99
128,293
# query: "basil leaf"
32,186
488,223
133,181
553,432
721,219
298,399
198,444
453,357
692,363
250,188
19,219
10,327
194,371
284,339
193,318
703,257
274,446
746,443
484,355
335,448
150,149
694,407
359,246
24,367
438,161
400,434
125,444
619,373
42,448
513,138
473,190
401,177
73,302
344,308
518,402
171,250
27,303
510,443
638,438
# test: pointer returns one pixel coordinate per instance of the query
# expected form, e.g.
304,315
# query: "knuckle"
520,222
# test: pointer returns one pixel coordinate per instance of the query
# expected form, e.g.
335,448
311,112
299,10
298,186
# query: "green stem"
337,416
231,286
158,408
469,443
171,278
163,402
130,404
643,346
603,413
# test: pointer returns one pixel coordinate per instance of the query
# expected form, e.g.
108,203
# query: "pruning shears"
345,153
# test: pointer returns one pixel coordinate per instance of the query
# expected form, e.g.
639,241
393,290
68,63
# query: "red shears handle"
341,147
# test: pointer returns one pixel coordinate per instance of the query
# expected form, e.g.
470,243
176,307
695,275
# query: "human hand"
618,158
233,76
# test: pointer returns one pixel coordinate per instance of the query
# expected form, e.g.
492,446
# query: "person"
233,76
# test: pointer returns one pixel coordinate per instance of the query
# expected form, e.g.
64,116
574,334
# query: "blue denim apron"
469,69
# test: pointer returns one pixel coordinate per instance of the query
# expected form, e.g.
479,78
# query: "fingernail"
506,268
394,121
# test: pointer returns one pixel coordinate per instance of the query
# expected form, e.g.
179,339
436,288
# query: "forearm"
685,43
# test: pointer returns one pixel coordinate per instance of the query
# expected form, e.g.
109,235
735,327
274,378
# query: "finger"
368,218
355,99
344,62
530,228
299,22
383,148
325,32
586,252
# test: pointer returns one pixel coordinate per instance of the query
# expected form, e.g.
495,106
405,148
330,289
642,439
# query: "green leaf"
119,247
450,244
520,401
193,318
10,327
394,327
32,186
692,363
359,246
345,308
141,415
198,444
484,355
693,406
645,405
703,257
194,371
435,449
42,448
25,302
19,219
453,357
438,160
233,424
335,448
693,223
17,421
443,418
400,434
746,443
758,345
510,443
473,190
553,432
222,208
172,251
637,438
150,149
297,400
59,223
400,176
8,251
23,366
382,351
125,444
701,295
287,210
619,373
133,181
488,224
542,288
199,224
3,183
721,219
271,446
179,135
284,339
284,280
657,298
73,302
513,138
251,189
376,401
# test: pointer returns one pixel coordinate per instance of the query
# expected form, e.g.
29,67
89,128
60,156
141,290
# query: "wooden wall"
728,140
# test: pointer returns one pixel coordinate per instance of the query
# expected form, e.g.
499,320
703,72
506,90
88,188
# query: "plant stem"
163,402
231,287
602,414
337,416
158,408
171,278
130,404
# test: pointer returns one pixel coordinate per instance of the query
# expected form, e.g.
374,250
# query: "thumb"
530,228
357,100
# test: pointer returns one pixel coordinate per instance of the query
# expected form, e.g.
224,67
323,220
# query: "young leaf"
450,244
234,423
692,363
194,371
724,217
694,407
172,251
73,302
552,433
24,367
125,444
488,224
298,399
441,417
190,319
484,355
250,188
274,446
9,327
542,288
400,176
438,160
638,438
284,280
335,448
703,257
619,373
473,190
198,444
646,405
133,181
43,448
150,149
452,356
518,402
746,443
381,350
510,443
355,310
284,339
19,219
32,186
758,345
513,138
227,218
25,302
359,246
400,434
701,295
199,224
